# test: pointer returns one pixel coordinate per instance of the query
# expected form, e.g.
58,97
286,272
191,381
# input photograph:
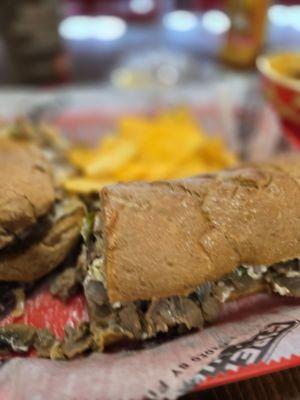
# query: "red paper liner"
247,372
42,310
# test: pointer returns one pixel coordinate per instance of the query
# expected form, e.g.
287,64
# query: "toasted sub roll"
166,238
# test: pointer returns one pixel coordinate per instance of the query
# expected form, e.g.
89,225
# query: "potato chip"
170,145
192,167
85,185
110,161
135,170
79,157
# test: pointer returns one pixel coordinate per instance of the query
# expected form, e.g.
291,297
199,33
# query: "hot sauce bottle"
246,34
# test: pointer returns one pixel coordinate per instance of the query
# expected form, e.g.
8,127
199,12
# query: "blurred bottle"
30,31
246,35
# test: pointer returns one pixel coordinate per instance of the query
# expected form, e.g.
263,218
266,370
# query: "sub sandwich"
39,229
38,226
157,258
164,256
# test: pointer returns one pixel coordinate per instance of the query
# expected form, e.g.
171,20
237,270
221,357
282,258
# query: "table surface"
284,385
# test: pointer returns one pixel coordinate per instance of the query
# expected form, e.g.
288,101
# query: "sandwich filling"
141,320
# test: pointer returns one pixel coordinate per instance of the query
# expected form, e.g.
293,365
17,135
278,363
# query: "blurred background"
47,41
85,65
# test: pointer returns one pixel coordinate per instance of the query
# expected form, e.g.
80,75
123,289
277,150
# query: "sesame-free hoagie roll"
236,231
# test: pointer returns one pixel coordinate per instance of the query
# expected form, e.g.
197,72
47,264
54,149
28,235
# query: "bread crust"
27,190
41,257
167,238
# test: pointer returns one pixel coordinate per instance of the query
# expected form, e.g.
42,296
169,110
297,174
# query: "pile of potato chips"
170,145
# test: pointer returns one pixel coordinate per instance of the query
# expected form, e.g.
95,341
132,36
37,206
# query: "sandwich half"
38,227
162,257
